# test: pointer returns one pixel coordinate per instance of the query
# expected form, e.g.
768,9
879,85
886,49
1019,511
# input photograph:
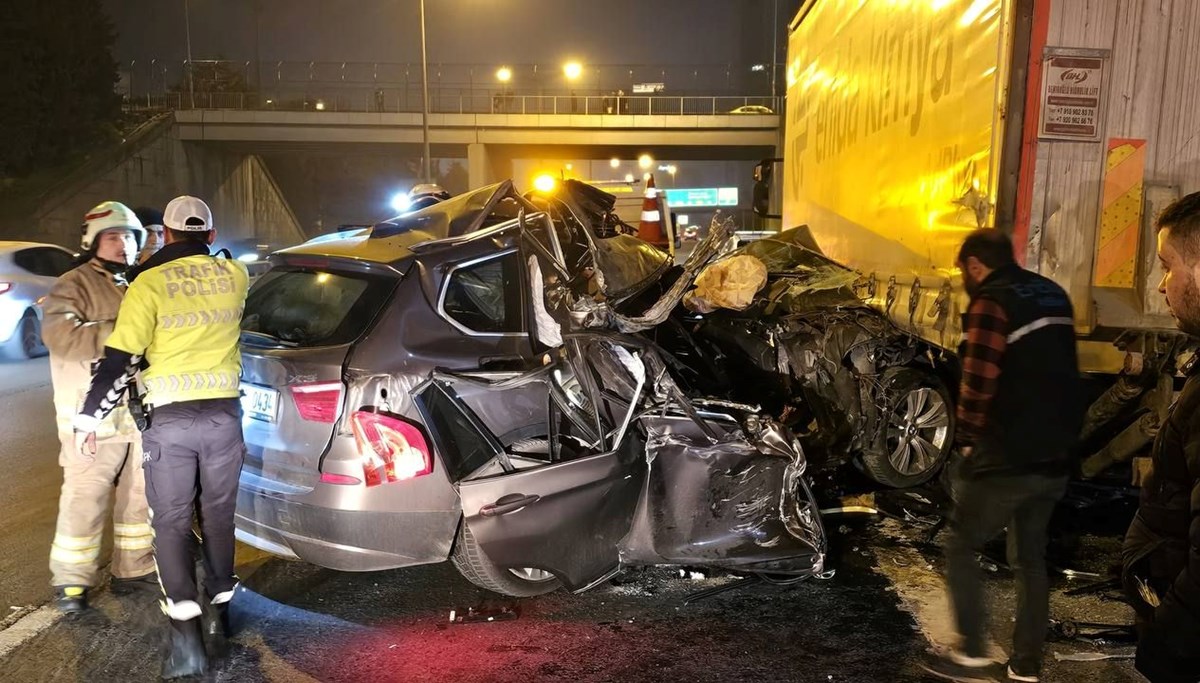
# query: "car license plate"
259,403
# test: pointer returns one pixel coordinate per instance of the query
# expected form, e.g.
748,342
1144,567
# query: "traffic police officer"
182,315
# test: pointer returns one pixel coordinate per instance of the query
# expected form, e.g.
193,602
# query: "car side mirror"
764,172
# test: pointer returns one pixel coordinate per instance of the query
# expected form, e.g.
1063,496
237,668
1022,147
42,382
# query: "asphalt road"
872,622
30,479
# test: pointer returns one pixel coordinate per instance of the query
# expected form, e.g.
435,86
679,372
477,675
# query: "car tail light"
391,448
344,479
5,286
318,402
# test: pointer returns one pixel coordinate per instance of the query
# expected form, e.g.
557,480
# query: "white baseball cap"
188,214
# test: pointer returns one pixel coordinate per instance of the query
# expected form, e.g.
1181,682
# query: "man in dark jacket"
1162,547
1020,409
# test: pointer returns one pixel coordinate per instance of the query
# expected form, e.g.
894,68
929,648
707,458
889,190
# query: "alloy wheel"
531,574
917,430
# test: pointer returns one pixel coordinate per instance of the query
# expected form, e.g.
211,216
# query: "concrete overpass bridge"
214,145
491,140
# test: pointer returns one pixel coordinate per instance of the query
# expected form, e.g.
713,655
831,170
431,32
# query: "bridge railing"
384,100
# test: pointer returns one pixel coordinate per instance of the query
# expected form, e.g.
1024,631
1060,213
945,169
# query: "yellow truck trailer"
1067,123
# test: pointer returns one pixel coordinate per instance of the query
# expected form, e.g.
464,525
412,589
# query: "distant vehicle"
752,109
27,272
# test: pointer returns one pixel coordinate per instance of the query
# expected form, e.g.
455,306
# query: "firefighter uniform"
182,316
78,315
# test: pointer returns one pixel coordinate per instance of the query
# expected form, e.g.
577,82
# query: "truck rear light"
391,448
318,402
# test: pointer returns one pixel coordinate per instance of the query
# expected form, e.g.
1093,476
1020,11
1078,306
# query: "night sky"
459,31
691,45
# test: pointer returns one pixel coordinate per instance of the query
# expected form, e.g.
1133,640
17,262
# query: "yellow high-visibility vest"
185,318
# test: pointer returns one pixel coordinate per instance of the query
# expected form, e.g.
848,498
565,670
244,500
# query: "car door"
567,514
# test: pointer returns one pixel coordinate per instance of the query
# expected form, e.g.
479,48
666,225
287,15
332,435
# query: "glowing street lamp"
645,161
614,162
504,74
572,70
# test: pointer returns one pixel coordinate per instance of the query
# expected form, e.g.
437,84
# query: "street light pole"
187,27
425,98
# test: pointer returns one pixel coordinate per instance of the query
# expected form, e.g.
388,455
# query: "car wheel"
31,336
27,340
918,429
470,561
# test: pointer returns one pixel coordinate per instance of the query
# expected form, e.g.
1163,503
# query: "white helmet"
111,216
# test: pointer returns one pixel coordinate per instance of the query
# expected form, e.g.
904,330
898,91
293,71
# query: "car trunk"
300,324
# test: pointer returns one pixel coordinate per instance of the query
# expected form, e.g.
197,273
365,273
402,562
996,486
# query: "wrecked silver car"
778,325
492,380
627,471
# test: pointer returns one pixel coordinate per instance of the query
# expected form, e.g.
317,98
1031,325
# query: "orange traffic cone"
650,228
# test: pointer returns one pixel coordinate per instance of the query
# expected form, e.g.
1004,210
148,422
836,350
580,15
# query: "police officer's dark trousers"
192,456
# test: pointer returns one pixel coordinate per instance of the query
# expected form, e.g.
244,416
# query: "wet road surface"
871,622
32,478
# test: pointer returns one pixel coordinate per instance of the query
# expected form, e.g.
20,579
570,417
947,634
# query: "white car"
27,272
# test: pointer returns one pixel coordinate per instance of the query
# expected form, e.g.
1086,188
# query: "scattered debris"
1090,656
473,615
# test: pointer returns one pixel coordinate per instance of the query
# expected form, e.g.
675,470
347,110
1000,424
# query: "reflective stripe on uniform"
1037,325
75,549
133,536
193,381
133,543
141,529
200,317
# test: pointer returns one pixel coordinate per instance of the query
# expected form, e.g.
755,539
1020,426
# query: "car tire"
26,342
470,561
918,429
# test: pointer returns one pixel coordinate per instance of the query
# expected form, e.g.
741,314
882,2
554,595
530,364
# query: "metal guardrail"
158,75
383,100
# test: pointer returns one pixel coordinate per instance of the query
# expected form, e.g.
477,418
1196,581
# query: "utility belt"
139,410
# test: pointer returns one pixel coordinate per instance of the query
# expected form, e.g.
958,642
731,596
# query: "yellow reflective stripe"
192,381
132,543
76,542
65,556
141,529
210,316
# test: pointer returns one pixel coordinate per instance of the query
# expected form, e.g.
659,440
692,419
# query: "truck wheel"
918,429
470,561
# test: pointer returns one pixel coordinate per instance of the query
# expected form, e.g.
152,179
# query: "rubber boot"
185,650
217,630
71,600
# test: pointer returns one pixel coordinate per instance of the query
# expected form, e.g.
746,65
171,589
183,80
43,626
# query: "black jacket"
1168,524
1034,418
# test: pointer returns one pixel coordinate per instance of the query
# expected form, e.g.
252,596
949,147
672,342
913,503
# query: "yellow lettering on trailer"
891,128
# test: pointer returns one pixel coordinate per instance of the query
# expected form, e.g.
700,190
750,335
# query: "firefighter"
79,314
181,316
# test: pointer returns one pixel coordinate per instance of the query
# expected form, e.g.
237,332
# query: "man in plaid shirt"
1020,409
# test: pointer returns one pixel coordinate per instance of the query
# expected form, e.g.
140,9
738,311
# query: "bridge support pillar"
487,164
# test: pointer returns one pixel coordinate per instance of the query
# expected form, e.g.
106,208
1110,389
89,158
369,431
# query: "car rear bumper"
341,539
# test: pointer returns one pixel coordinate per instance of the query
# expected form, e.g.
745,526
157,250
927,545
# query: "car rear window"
314,307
